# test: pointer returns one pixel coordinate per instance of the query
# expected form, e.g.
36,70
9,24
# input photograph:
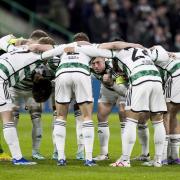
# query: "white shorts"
110,96
68,85
29,101
172,90
5,98
147,96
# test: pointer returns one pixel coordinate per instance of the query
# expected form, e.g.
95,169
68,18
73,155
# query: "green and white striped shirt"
138,65
14,67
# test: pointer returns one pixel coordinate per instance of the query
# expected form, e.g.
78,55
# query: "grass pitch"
75,170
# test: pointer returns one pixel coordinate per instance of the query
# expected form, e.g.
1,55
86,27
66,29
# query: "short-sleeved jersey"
173,68
138,65
26,84
74,62
53,63
79,60
162,60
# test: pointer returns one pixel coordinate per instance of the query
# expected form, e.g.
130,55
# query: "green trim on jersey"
26,71
125,69
162,72
174,68
25,84
52,66
4,69
74,65
144,73
15,78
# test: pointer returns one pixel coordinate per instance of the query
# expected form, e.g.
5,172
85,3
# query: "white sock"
88,134
122,125
53,138
143,134
103,133
11,138
36,131
165,149
79,123
60,136
129,138
174,143
159,139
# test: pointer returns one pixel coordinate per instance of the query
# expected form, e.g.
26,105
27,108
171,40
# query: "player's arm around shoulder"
118,45
37,48
174,55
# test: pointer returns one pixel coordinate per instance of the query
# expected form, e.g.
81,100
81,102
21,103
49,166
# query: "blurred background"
148,22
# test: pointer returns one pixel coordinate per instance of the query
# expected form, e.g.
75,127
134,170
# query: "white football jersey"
74,62
138,65
15,66
161,59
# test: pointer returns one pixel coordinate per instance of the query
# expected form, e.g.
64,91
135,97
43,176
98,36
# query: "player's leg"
35,111
122,115
174,132
104,110
140,98
63,95
159,139
59,132
80,139
16,96
143,135
157,108
11,138
87,131
129,135
128,139
16,115
9,128
55,153
83,95
167,148
173,104
106,101
10,134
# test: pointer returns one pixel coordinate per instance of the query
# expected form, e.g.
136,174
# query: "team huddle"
143,82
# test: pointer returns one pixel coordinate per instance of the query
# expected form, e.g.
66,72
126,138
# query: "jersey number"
135,57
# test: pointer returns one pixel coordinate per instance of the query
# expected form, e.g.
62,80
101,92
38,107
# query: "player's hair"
37,34
21,42
41,89
81,37
46,40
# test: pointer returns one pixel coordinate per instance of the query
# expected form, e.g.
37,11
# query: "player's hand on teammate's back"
172,55
69,50
33,47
